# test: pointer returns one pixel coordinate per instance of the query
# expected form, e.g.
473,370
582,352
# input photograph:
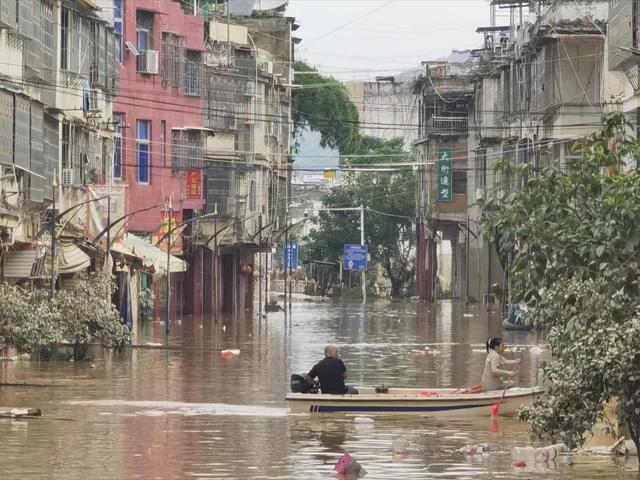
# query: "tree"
30,322
323,105
90,315
389,198
573,236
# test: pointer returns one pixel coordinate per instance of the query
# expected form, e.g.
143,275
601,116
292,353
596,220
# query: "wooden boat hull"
433,402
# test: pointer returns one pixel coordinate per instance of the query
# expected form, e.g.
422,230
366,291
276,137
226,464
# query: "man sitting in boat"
331,373
494,374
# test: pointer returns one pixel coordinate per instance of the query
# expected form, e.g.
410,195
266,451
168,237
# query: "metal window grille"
222,98
193,76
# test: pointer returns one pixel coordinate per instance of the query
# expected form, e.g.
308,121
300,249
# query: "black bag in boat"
299,384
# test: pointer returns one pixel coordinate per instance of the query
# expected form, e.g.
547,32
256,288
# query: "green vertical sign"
445,175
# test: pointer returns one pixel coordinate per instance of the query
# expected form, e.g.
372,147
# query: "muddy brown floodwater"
188,412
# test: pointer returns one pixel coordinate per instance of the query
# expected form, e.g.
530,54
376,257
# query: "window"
192,80
143,144
459,182
172,59
187,148
144,35
252,196
163,143
118,121
481,168
118,27
64,39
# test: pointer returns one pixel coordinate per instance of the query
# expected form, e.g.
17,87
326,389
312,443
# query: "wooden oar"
495,410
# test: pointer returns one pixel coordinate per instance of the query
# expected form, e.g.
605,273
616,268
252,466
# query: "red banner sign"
194,183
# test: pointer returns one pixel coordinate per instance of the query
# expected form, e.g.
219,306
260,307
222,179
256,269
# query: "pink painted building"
159,153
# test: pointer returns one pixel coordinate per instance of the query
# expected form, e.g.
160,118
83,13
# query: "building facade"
57,82
388,107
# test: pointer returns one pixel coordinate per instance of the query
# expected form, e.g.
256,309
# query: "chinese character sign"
290,257
445,175
194,182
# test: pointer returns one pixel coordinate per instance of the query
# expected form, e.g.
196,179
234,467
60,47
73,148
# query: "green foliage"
573,236
594,334
30,322
390,239
89,313
323,105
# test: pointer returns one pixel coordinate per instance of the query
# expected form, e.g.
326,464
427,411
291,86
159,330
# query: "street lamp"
52,229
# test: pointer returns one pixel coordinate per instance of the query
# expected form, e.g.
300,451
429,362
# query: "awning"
153,256
71,259
23,264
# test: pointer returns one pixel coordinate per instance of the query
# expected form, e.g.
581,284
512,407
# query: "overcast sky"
362,39
359,39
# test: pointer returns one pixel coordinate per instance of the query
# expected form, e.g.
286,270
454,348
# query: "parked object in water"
440,402
517,320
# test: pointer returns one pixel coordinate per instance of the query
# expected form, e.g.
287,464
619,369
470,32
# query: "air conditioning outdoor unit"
150,62
67,177
479,194
268,67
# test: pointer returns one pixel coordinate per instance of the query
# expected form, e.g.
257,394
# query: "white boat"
432,402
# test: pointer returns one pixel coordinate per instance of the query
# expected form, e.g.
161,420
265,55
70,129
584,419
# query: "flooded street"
188,412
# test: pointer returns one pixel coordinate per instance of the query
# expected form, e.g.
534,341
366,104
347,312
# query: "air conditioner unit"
67,177
267,67
150,62
479,194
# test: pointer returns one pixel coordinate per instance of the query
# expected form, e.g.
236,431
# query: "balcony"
447,126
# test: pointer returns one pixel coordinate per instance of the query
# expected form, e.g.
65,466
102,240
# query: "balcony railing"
447,126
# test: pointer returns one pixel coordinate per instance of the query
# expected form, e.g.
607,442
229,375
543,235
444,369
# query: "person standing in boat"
331,374
494,374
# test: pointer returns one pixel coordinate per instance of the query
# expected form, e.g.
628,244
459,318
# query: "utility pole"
260,266
52,293
108,231
285,253
168,302
216,289
364,273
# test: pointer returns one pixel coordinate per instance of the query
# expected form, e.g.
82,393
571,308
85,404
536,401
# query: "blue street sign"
290,257
355,258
